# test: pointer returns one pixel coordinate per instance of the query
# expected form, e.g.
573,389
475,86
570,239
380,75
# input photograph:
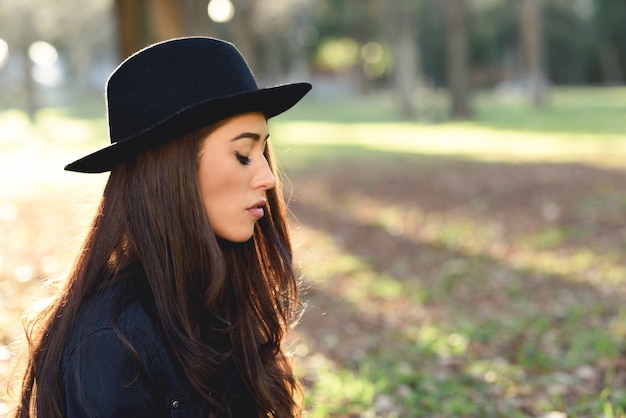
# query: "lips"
257,210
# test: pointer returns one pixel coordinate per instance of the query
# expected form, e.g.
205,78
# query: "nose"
264,177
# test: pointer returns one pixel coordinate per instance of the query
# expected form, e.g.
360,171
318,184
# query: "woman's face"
234,175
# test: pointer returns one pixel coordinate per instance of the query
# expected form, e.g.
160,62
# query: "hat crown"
175,87
165,79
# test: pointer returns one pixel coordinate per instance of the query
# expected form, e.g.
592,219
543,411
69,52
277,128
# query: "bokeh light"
42,53
46,59
221,11
338,54
372,52
374,63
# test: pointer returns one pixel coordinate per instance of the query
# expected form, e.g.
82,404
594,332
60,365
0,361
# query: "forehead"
253,122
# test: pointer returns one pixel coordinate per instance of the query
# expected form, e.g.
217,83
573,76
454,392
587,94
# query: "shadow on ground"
522,261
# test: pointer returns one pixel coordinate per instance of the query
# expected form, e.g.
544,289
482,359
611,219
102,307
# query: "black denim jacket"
101,377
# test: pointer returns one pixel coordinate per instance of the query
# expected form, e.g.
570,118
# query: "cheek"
219,187
210,189
224,201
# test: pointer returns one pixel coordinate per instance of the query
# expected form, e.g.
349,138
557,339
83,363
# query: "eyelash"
243,159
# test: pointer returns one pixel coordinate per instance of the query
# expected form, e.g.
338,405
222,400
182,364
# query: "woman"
183,291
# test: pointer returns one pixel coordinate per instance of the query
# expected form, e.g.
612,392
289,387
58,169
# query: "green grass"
587,110
527,357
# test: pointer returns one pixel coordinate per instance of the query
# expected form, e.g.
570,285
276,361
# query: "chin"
238,239
241,241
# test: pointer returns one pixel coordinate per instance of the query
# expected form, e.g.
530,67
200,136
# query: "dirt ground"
526,261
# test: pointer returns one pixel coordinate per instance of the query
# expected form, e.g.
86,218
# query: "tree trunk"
132,30
271,72
406,71
166,19
455,16
31,102
244,36
142,22
196,19
400,24
610,65
530,29
24,39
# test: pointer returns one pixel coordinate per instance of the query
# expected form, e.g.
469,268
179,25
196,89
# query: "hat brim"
270,101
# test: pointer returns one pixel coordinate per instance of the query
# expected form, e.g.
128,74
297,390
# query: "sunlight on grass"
578,125
52,127
340,391
467,140
613,97
334,390
511,331
56,127
477,236
350,275
498,371
33,156
442,344
15,128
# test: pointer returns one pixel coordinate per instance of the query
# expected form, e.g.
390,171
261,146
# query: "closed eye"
243,159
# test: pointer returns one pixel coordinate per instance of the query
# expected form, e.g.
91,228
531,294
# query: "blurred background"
457,177
49,50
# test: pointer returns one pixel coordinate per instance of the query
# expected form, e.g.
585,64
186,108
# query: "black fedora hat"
175,87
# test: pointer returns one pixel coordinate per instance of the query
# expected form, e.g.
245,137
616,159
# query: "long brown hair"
151,213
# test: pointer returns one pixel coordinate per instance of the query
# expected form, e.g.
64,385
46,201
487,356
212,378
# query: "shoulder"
116,362
114,310
113,329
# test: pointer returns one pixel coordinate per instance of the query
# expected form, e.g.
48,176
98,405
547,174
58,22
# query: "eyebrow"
250,135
